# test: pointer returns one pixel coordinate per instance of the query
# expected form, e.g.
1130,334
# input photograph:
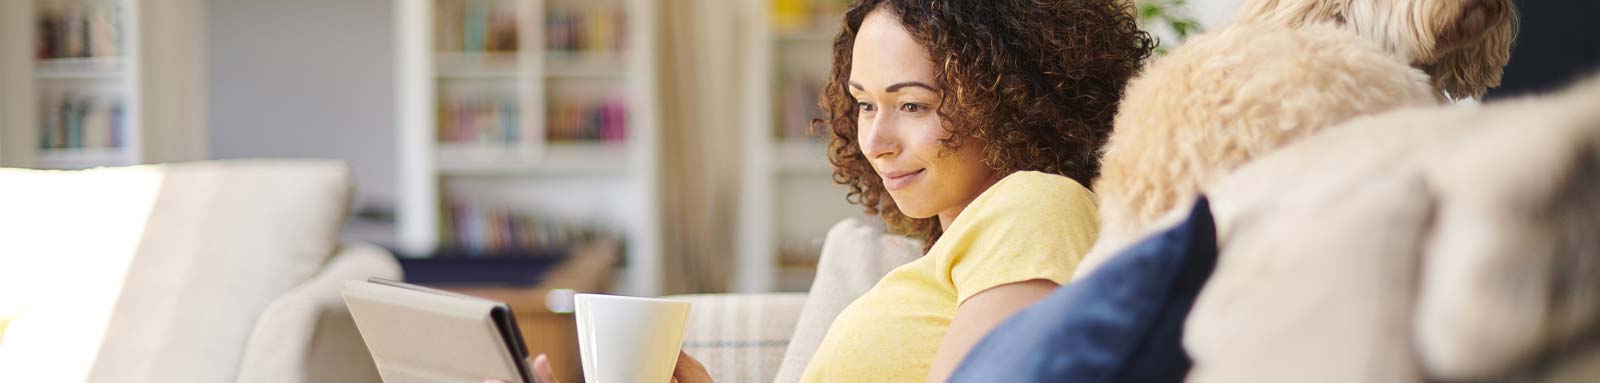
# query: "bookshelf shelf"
789,199
554,158
535,109
584,65
476,65
91,83
80,68
84,158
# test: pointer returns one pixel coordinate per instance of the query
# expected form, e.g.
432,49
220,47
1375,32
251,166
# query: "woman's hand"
541,371
688,370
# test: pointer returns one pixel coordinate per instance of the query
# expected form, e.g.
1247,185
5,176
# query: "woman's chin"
913,210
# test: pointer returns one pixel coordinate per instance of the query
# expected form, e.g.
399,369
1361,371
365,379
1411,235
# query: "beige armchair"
193,272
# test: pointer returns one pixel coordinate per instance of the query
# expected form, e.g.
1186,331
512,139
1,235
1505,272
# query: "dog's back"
1231,95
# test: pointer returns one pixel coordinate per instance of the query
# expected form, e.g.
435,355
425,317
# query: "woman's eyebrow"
896,87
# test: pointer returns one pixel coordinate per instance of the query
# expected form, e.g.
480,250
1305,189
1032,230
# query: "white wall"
306,78
1212,13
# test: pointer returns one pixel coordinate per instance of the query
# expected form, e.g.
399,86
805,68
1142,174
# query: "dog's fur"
1284,69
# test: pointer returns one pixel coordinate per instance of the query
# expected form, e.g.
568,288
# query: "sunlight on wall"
66,240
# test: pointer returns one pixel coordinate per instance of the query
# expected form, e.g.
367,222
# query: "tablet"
418,334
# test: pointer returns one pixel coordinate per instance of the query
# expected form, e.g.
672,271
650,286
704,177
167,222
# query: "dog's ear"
1291,13
1471,69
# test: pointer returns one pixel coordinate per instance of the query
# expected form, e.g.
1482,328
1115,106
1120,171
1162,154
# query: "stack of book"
476,26
798,105
81,31
474,229
481,120
603,119
76,121
588,29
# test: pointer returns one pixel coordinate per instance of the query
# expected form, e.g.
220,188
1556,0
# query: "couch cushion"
220,242
1318,258
1122,323
1451,243
66,240
740,337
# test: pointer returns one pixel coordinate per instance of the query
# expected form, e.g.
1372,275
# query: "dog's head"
1462,44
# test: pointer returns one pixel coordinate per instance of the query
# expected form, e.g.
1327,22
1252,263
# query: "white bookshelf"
136,97
612,184
789,199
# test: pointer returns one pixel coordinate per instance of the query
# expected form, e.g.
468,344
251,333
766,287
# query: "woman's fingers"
542,371
690,370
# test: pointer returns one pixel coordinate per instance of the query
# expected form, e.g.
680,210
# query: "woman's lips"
900,179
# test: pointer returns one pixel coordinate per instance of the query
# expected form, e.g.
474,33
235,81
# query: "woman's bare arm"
979,314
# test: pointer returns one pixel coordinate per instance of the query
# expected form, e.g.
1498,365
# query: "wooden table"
587,269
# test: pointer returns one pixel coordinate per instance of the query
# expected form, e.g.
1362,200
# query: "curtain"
698,69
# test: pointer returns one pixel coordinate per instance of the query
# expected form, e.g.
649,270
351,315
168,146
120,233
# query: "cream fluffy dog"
1282,70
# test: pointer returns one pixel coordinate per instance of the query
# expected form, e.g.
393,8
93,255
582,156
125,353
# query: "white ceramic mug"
629,339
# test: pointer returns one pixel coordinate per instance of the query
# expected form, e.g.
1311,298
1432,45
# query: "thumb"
541,370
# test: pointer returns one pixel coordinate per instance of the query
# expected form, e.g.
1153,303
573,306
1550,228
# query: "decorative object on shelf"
788,16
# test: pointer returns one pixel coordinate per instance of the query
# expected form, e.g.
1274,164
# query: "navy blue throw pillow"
1121,323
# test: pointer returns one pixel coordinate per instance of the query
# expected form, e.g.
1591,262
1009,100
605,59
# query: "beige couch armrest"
741,337
307,335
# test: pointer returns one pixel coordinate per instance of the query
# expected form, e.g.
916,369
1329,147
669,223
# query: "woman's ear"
1471,70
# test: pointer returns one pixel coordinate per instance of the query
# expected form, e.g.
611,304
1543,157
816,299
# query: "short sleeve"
1027,226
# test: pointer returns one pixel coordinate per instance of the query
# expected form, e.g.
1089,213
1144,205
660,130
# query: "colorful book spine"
482,119
475,26
602,119
592,29
479,229
81,31
75,121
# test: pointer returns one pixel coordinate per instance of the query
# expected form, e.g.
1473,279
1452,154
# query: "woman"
980,121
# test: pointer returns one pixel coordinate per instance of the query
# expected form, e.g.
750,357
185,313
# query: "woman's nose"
877,137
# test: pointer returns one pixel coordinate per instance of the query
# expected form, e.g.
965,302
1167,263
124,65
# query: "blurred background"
509,132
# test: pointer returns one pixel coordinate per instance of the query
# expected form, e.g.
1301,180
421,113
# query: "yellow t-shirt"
1029,225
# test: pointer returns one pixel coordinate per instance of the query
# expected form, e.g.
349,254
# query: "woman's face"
891,78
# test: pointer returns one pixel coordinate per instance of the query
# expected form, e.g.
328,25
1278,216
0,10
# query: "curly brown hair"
1036,82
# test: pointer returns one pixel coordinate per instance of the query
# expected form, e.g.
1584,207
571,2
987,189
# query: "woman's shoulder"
1028,225
1035,191
1029,199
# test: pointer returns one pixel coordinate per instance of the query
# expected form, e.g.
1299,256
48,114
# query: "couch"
1448,243
770,337
191,272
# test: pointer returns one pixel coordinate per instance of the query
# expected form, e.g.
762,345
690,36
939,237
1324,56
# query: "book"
94,30
82,121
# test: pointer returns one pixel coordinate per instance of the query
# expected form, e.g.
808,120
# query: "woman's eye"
864,106
912,108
